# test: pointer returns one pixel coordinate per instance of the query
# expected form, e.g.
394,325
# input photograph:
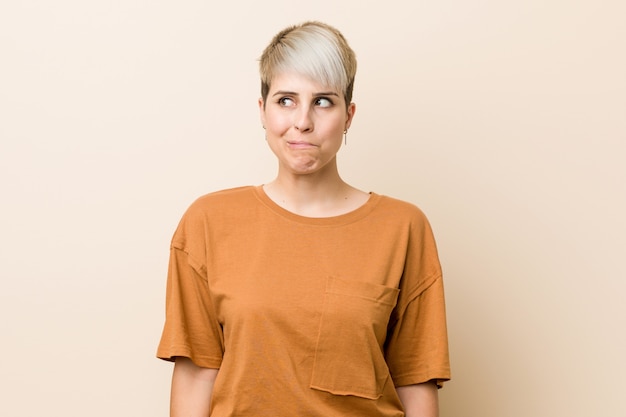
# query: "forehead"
296,82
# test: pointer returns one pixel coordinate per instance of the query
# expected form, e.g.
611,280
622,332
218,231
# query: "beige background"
504,120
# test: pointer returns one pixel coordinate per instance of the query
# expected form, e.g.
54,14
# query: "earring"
345,137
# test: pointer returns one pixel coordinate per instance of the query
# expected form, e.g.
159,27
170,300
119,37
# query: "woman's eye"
323,102
286,102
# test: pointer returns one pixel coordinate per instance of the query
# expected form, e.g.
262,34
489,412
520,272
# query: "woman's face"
304,123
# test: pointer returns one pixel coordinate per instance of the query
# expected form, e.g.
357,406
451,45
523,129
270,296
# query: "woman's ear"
350,112
262,111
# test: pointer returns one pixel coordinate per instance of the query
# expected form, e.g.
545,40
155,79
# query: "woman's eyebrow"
285,93
327,93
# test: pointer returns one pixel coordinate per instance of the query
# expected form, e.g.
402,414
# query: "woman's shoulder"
226,194
215,208
402,214
217,204
395,207
223,199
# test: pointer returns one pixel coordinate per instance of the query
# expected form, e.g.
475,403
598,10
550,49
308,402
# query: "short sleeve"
417,345
191,328
416,348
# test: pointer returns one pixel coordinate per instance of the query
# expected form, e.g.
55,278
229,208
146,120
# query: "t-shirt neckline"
349,217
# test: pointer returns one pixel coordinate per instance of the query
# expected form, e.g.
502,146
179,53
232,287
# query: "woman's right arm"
191,389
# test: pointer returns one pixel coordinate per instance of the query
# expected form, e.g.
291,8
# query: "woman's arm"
191,389
420,400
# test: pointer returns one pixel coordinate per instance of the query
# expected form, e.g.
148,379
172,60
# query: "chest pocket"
349,358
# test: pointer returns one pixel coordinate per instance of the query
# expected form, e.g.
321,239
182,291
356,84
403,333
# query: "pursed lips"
300,144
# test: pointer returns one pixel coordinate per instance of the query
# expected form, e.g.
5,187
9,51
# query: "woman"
305,296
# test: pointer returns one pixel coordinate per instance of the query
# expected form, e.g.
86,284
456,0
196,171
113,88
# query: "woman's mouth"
300,144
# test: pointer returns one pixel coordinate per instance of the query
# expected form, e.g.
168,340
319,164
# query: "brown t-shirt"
305,316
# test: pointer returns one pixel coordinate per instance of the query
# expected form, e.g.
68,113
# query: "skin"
419,400
304,122
191,391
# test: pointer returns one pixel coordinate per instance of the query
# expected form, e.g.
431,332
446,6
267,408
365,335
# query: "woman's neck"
312,196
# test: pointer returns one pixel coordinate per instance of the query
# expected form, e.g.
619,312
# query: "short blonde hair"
313,49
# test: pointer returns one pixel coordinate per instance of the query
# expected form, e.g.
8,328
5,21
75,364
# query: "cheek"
277,122
338,123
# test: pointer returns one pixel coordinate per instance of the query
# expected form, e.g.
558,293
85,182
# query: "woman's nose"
303,121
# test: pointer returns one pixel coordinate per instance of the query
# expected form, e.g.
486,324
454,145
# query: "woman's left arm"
420,400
